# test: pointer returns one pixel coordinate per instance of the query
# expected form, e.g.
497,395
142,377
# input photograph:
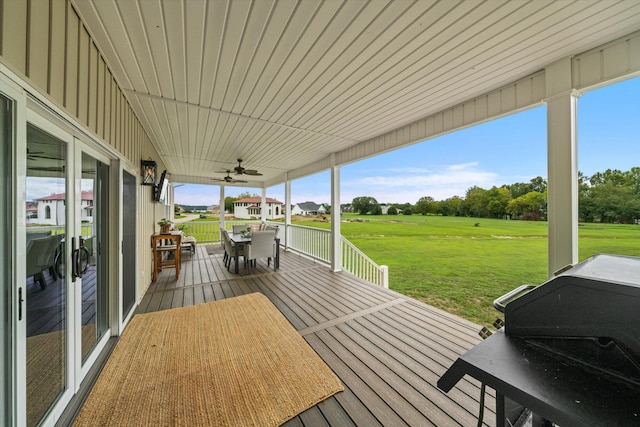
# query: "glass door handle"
74,260
79,259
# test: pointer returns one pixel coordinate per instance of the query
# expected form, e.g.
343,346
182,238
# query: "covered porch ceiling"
286,84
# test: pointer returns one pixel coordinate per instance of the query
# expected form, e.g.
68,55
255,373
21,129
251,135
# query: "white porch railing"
209,231
316,243
360,265
309,241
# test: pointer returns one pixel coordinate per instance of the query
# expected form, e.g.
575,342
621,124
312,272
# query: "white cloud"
38,187
408,185
462,166
406,170
392,185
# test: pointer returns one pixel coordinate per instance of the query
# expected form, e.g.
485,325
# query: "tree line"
609,196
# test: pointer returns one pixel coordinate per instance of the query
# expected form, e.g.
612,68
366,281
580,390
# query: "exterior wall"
86,212
297,210
53,50
47,45
56,212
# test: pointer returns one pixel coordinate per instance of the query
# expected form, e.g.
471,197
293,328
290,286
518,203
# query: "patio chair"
230,250
189,242
275,228
237,229
40,255
261,246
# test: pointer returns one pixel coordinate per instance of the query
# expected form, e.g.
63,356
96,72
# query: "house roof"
86,195
257,200
294,88
309,206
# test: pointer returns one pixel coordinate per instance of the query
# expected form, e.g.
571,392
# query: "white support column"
263,205
562,158
336,241
287,212
222,210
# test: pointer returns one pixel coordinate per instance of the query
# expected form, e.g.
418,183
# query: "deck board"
387,349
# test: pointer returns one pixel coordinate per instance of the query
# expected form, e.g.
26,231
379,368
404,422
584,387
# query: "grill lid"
598,300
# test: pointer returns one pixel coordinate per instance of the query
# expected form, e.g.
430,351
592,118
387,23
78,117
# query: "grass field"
461,267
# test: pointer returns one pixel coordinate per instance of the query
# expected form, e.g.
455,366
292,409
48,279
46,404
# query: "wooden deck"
388,350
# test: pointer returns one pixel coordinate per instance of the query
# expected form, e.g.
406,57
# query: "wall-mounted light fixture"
148,171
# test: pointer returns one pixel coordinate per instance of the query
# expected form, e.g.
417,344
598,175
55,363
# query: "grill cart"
569,351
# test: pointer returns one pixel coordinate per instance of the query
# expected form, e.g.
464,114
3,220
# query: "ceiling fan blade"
38,156
228,178
239,170
46,168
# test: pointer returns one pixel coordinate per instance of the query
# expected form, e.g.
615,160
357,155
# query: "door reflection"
46,269
94,235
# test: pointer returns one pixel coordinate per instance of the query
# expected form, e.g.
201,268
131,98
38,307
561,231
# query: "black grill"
569,353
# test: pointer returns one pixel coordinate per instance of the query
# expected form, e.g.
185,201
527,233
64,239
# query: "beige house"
51,209
252,208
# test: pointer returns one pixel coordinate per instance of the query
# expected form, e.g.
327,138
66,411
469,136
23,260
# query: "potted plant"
165,225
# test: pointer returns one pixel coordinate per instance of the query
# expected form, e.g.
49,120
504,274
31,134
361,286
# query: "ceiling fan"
240,170
228,179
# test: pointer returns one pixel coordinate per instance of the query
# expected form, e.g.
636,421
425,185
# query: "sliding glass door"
56,295
6,242
129,203
92,276
67,281
46,290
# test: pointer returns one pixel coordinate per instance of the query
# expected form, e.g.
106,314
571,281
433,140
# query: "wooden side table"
166,252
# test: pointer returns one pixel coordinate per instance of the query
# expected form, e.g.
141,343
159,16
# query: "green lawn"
461,267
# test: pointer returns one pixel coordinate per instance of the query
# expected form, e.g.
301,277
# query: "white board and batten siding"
50,48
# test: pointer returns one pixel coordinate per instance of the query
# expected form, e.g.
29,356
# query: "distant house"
249,208
32,211
307,208
51,209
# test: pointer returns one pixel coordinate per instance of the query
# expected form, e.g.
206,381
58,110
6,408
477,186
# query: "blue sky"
504,151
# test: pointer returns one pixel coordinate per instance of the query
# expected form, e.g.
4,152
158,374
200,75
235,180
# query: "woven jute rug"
235,362
46,368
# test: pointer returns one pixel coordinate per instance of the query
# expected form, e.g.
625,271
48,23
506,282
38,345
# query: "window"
47,212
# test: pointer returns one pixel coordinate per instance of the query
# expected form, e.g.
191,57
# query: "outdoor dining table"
239,239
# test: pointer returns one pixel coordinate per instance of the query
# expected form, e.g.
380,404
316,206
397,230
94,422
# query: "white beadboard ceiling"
283,84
